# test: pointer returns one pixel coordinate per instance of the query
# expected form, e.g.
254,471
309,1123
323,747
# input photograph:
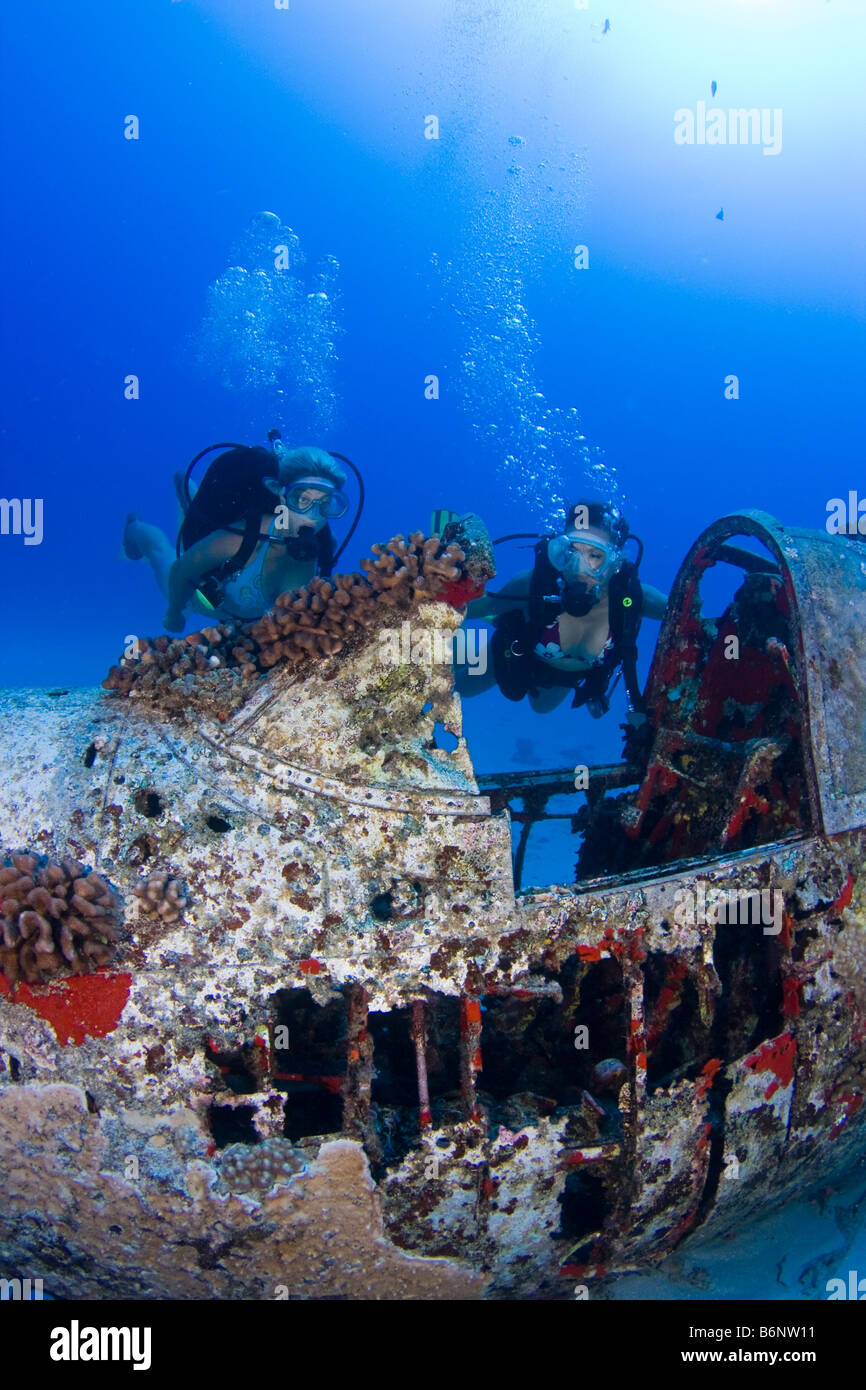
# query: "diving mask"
315,497
580,556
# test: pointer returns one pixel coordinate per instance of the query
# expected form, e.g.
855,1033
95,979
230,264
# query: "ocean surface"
510,283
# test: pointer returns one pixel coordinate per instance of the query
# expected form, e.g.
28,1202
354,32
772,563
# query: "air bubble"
270,330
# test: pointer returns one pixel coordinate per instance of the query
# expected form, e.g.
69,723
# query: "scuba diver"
255,528
571,622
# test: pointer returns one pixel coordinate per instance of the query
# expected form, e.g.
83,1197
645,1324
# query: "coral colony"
58,919
317,621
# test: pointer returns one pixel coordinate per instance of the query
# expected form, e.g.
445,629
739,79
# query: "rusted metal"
823,576
359,1072
470,1054
419,1038
505,787
338,868
535,789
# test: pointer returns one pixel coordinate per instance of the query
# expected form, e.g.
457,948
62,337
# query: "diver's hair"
602,516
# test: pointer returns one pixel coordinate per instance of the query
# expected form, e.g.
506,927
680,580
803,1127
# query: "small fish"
720,215
606,29
439,519
714,87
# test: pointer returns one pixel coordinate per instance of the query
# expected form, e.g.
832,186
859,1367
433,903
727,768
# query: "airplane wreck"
278,1020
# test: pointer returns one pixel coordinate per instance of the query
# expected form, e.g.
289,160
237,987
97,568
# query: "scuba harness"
518,667
234,486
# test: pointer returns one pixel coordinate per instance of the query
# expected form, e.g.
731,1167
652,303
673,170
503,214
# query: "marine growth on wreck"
288,978
211,668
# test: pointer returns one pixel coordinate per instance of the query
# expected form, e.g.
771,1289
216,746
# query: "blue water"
451,257
318,114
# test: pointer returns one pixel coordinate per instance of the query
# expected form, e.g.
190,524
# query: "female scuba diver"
255,528
571,622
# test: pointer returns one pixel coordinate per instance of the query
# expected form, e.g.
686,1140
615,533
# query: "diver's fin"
439,519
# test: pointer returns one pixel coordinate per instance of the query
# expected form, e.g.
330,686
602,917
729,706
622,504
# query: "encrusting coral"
215,666
163,896
58,918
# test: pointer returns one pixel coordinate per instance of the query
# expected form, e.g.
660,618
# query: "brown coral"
162,896
322,619
213,668
58,918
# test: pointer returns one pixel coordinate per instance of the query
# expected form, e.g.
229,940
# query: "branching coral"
162,896
321,619
214,667
413,569
58,918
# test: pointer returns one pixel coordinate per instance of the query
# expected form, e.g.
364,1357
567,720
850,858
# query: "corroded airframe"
360,1064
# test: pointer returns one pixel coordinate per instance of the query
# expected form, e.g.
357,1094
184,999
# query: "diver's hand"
173,621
